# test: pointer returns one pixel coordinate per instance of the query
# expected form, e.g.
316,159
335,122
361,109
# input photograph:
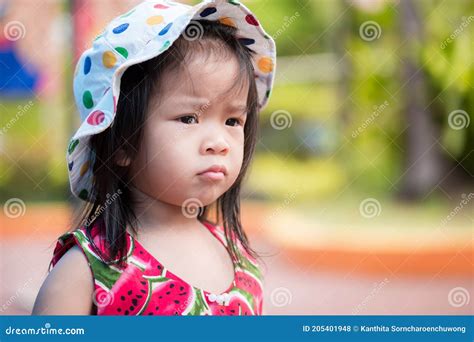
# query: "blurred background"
361,194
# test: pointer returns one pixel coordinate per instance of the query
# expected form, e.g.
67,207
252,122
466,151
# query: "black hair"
139,84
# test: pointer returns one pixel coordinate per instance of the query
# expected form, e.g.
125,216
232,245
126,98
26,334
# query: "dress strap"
249,263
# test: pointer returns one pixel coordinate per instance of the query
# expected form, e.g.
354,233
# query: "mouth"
215,172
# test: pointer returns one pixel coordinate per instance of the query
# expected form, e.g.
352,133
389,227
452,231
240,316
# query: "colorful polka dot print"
157,24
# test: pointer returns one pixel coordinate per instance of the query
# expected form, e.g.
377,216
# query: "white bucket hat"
143,33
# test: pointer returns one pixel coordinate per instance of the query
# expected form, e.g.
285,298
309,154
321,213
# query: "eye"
236,121
187,119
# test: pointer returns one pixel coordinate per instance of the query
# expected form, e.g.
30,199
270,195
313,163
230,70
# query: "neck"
154,214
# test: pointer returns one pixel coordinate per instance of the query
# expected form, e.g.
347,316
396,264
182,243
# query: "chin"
207,196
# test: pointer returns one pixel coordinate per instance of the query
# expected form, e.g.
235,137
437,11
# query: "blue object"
15,79
238,329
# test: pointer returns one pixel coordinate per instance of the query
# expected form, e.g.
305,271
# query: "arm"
68,288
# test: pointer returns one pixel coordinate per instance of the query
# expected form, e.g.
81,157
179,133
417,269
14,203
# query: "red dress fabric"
146,287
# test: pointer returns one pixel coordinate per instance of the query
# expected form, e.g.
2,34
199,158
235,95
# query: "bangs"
212,43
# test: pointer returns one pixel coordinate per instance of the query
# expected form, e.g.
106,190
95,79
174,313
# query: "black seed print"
126,312
119,310
171,286
132,308
139,296
141,252
168,292
183,294
129,292
233,311
160,297
150,313
159,267
143,282
181,288
157,308
176,301
142,291
222,311
122,297
134,302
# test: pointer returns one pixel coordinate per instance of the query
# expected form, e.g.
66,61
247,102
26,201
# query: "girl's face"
195,125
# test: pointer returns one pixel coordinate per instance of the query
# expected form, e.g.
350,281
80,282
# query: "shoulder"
69,285
68,288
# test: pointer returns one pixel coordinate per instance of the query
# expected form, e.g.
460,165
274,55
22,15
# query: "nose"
216,144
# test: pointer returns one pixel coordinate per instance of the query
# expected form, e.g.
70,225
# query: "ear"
122,159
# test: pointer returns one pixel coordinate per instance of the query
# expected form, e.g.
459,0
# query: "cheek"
236,157
164,150
163,165
153,158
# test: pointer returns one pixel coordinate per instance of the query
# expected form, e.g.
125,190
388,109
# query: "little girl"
169,96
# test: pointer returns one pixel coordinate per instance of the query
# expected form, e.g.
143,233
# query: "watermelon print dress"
146,287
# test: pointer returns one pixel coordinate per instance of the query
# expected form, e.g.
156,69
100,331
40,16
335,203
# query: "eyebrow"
239,108
198,103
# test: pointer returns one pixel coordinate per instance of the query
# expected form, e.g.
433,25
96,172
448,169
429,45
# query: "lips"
214,173
215,169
